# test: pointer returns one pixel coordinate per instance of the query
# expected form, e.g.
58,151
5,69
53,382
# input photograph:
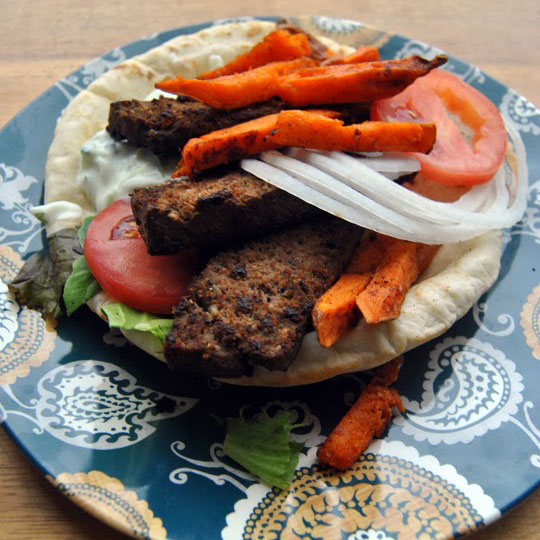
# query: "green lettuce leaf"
64,249
61,274
80,286
83,229
35,285
40,282
126,318
262,446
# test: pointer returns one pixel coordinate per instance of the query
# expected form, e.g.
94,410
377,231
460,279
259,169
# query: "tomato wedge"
116,255
439,97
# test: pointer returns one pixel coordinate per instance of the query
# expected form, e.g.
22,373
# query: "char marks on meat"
224,206
251,305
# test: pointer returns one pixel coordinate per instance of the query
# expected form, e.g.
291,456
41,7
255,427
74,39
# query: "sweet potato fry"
367,255
319,51
352,83
335,312
381,300
308,130
299,83
364,53
226,145
425,254
276,46
388,373
239,90
366,419
231,144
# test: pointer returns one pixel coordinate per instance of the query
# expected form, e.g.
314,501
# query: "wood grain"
44,40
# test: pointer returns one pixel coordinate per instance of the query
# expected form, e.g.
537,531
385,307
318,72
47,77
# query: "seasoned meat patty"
225,205
252,305
164,125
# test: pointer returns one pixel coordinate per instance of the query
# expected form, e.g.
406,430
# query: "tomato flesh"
117,257
438,98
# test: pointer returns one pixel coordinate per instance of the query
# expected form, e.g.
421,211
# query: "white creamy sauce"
109,170
112,169
58,211
157,93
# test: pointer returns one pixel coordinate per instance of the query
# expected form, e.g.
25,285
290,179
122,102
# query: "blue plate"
142,449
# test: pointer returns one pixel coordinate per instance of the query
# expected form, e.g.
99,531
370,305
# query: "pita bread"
88,112
457,277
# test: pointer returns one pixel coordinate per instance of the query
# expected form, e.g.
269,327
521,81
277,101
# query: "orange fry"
276,46
366,419
238,90
308,130
319,51
353,83
425,254
367,255
335,312
381,300
364,53
299,83
230,144
225,145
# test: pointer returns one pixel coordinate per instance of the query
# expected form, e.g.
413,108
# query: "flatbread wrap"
458,275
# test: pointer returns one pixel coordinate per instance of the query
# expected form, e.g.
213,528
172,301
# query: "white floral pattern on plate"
469,388
26,341
23,225
530,224
521,112
330,25
97,405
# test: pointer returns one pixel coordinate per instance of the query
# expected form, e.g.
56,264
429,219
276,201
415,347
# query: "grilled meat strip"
252,305
213,210
164,125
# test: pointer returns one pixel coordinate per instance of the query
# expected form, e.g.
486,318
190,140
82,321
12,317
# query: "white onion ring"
391,164
344,186
373,216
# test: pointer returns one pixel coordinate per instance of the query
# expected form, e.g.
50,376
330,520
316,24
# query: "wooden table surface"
44,40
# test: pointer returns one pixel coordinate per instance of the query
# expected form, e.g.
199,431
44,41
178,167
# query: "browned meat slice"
213,210
164,125
252,305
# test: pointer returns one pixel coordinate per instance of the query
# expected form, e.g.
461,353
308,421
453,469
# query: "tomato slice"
439,97
116,255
